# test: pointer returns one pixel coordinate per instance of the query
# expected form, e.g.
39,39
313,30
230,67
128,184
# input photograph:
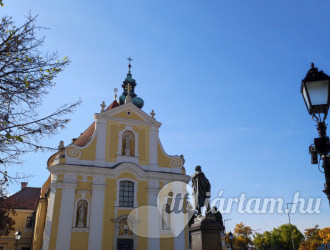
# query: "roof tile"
26,198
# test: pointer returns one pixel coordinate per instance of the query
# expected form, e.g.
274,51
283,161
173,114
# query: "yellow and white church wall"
106,144
91,175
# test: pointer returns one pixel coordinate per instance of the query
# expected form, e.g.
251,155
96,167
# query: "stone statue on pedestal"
205,230
218,215
202,190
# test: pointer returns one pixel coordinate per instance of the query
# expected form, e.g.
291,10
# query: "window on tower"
126,194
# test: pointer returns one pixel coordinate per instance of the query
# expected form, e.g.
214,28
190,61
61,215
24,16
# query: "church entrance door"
125,244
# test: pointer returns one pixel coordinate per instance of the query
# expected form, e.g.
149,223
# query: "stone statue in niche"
128,143
166,219
81,214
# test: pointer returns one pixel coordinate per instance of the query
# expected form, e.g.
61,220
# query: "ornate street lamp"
230,236
315,89
17,237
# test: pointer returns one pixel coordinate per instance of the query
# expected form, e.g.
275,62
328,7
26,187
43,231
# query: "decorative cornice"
98,187
109,115
80,229
114,172
64,185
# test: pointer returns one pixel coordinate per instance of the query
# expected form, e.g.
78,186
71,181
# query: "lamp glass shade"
318,92
230,235
18,235
316,96
304,92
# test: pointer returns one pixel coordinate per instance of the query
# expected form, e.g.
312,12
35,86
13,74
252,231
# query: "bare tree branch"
26,76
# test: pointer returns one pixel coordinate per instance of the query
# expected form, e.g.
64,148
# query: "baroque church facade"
117,165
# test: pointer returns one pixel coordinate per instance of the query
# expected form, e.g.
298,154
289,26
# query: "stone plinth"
206,233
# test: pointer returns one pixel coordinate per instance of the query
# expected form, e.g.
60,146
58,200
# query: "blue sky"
222,76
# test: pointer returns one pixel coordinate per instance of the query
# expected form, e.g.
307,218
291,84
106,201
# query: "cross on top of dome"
129,89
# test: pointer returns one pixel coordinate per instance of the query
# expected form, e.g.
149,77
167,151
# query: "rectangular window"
124,244
126,194
29,222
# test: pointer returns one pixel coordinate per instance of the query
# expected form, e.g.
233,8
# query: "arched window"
126,194
128,144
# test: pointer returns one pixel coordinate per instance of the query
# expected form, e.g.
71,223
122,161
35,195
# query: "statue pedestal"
206,233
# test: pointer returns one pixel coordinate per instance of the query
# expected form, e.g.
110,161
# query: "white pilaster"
49,218
101,132
179,242
153,223
180,219
66,213
153,154
96,220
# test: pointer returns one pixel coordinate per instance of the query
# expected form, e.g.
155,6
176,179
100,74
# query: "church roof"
85,137
114,104
26,198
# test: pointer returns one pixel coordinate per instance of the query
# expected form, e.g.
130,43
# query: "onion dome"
128,89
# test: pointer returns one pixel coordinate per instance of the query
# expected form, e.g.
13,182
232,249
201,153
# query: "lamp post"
230,236
288,211
315,89
224,223
17,237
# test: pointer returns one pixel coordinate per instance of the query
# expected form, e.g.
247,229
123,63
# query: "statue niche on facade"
202,190
81,214
128,144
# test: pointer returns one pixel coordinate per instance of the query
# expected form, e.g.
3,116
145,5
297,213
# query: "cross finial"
152,113
129,63
128,96
103,106
128,88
